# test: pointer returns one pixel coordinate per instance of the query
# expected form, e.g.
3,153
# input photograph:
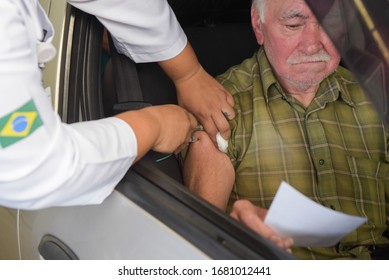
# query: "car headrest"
197,12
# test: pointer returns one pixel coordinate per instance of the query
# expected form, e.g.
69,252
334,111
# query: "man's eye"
293,26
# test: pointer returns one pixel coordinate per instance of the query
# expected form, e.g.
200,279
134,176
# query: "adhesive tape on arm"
221,143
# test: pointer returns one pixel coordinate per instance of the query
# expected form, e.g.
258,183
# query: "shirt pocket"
371,188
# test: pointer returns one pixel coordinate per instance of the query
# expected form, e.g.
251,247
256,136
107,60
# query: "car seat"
220,33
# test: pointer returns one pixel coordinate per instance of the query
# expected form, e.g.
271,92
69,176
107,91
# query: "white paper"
294,215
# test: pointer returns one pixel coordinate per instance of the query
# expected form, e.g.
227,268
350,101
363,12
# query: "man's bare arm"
209,172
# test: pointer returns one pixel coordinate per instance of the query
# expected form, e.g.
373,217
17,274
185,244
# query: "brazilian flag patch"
19,124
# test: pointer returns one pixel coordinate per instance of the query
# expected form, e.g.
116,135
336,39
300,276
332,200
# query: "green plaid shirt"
335,151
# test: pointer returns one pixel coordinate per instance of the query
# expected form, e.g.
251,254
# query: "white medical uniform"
44,162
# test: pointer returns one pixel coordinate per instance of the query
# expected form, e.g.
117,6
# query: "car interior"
221,35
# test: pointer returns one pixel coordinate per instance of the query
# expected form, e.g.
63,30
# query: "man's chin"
306,83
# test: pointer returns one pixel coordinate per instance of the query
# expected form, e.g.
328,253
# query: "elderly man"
303,119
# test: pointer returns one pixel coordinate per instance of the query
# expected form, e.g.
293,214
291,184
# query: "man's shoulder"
240,77
345,75
350,87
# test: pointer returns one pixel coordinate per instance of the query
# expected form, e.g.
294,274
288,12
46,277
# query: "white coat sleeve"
44,162
144,30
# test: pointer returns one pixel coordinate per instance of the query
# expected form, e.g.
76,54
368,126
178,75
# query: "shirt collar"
266,74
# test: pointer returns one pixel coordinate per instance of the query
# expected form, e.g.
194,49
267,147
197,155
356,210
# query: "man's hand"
253,217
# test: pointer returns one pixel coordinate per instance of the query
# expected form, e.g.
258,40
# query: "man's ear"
255,22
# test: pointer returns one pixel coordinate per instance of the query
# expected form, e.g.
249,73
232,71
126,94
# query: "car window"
360,31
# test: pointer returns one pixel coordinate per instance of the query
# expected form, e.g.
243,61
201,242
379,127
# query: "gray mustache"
319,57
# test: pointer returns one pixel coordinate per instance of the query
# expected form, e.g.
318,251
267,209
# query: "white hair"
260,5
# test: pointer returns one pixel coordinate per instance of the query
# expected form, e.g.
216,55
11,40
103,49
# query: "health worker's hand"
207,99
164,128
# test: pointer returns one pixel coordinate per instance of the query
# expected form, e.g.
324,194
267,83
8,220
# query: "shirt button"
321,162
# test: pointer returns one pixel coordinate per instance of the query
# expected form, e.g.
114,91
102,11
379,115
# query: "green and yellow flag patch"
19,124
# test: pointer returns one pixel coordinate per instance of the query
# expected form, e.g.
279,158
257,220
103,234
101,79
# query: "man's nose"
311,41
